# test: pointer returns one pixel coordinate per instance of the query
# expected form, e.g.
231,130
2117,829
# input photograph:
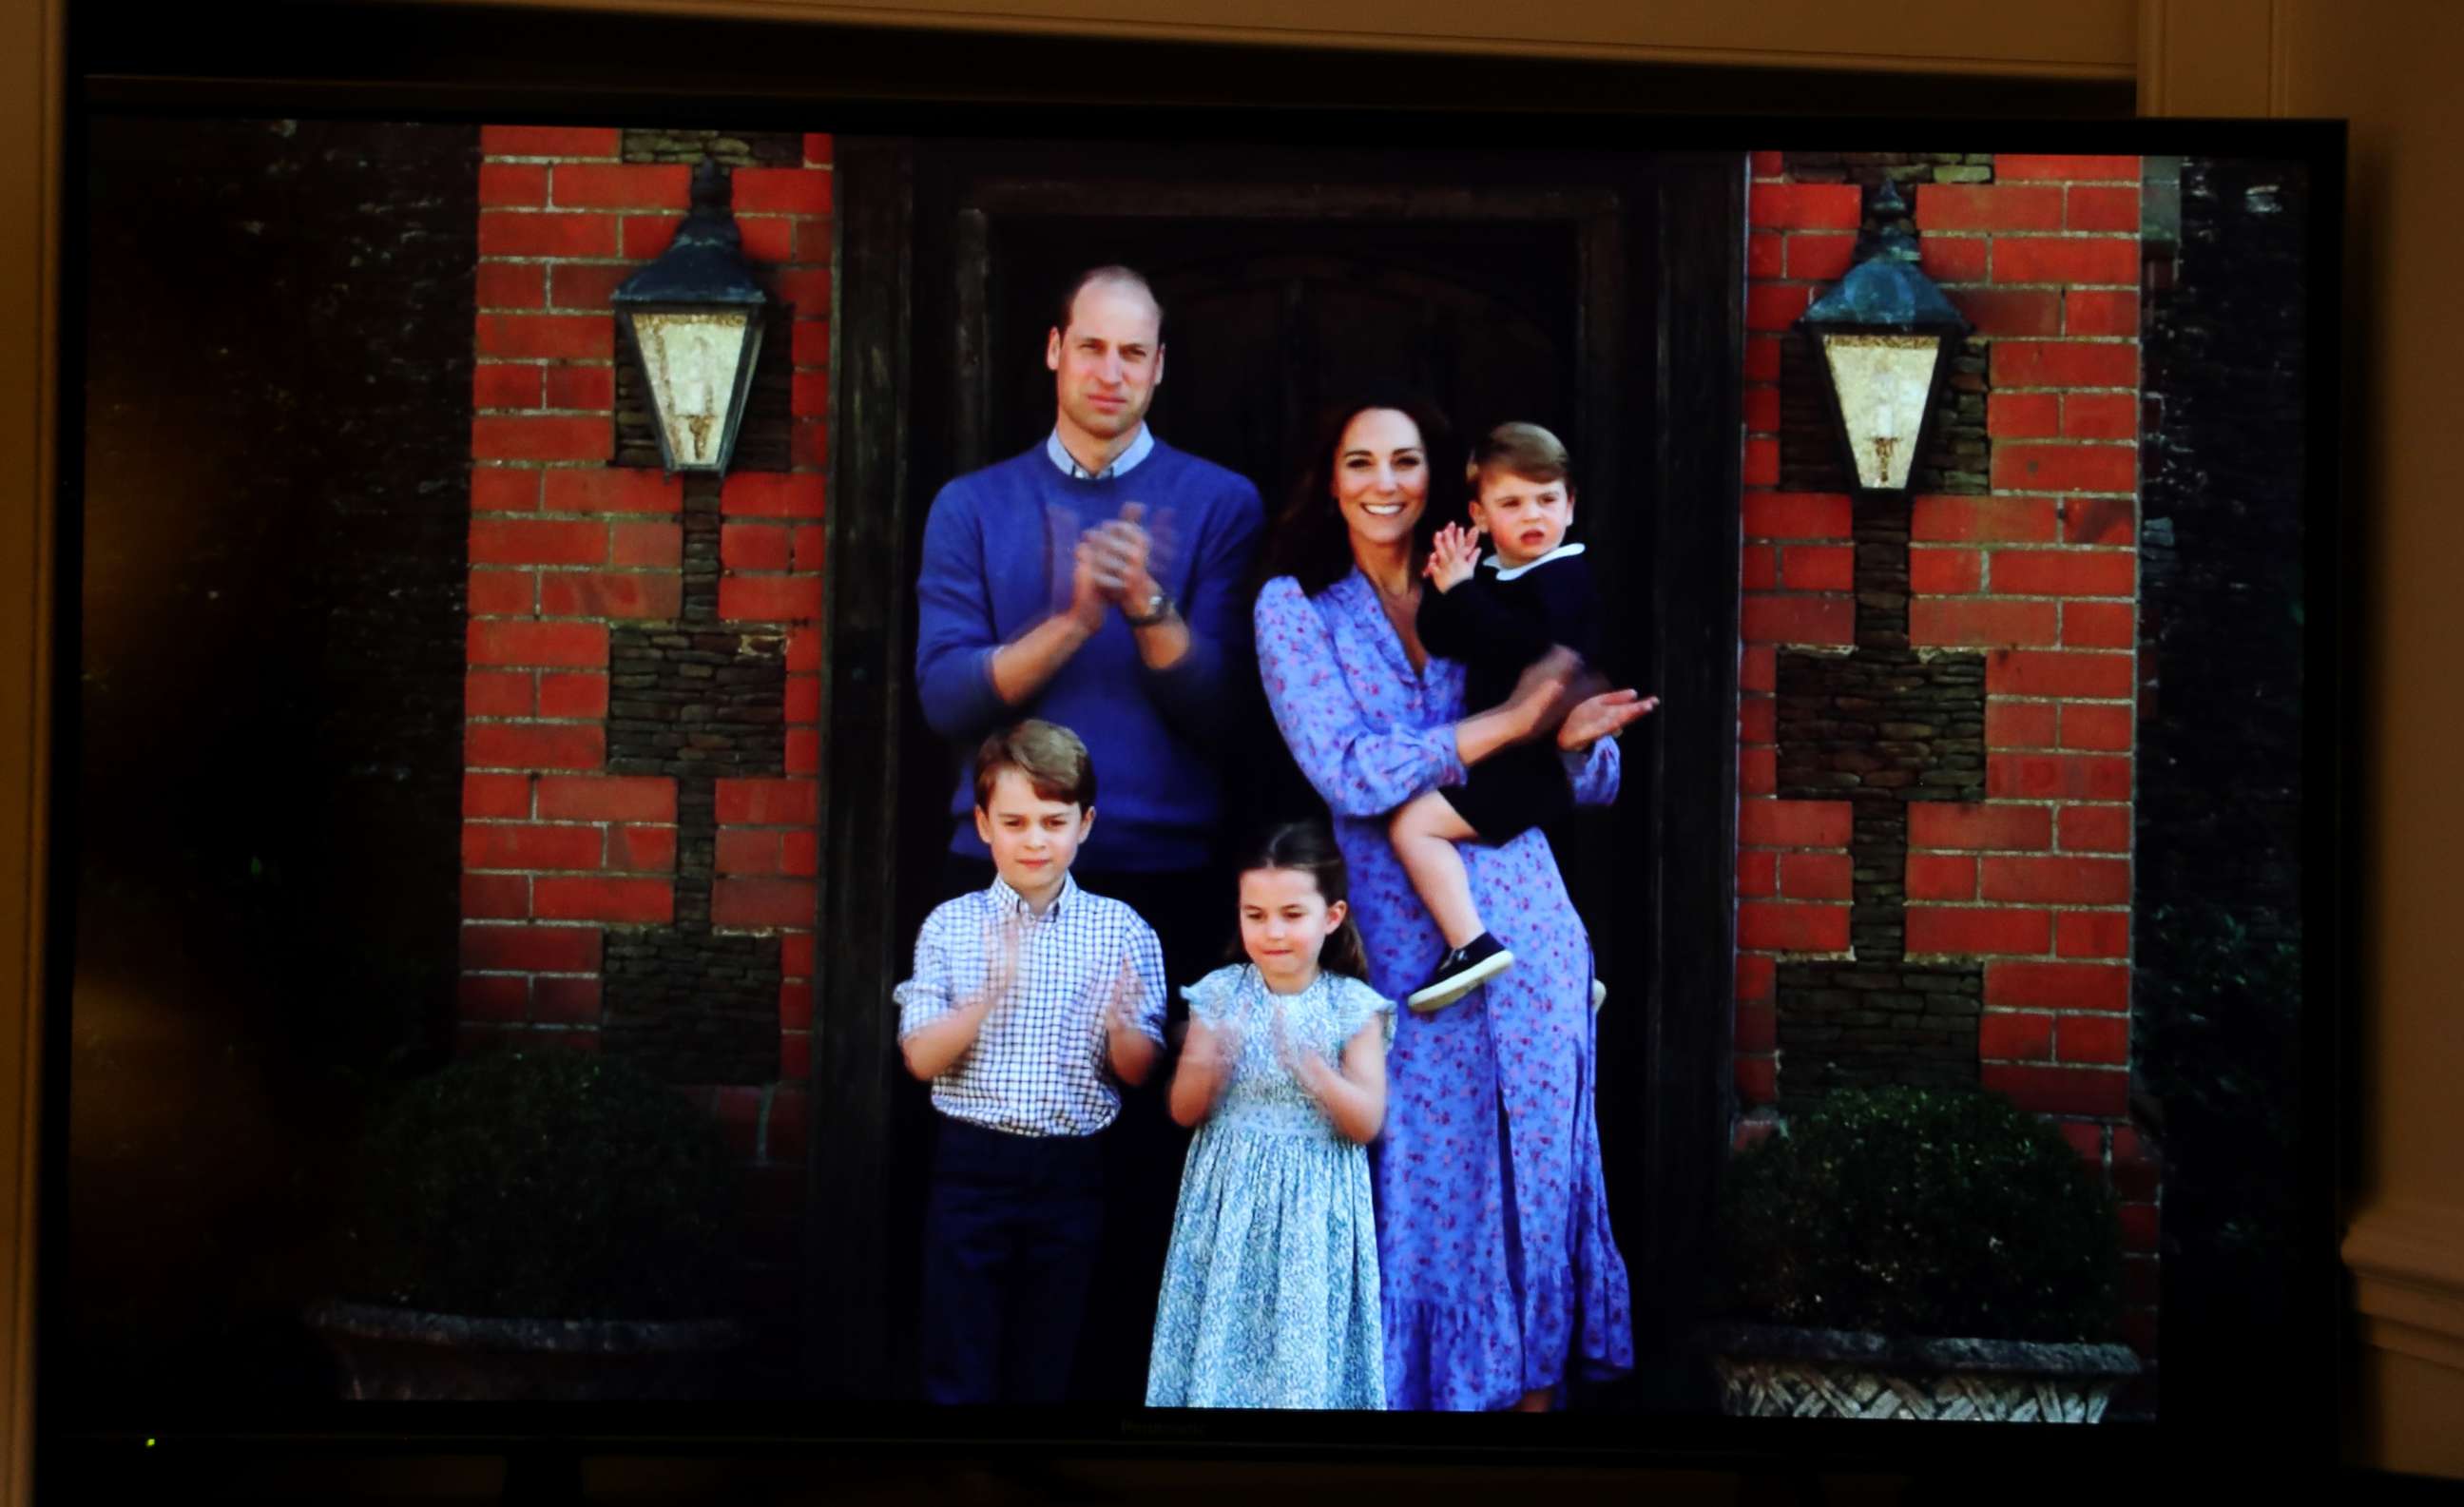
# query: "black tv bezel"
195,87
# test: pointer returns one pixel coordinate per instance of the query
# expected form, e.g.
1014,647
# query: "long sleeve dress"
1498,1266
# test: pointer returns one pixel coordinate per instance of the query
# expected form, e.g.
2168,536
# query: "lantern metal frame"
1885,293
701,272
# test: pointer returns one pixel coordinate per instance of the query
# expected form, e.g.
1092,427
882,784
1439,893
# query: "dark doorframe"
1683,1043
867,657
1659,333
1590,215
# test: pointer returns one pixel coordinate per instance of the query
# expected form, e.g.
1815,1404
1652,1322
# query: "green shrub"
1922,1213
545,1184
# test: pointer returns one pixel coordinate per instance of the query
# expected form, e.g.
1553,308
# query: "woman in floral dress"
1498,1266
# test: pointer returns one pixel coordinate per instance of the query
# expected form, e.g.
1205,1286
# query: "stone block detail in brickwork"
689,700
692,1006
1878,727
1862,1025
728,148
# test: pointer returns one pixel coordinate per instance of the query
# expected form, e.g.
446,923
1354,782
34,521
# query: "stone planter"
1774,1372
403,1355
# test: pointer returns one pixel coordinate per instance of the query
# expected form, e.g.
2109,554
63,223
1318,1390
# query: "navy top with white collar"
1505,617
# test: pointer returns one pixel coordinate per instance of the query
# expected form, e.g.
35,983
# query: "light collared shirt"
1122,464
1041,1063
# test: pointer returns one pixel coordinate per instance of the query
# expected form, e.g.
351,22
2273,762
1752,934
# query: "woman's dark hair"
1309,539
1310,848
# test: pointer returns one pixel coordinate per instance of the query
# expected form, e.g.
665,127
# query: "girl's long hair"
1309,540
1309,848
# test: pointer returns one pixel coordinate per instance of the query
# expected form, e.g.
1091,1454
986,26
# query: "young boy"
1030,999
1533,593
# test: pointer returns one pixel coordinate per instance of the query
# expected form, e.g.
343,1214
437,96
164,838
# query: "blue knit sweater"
1000,547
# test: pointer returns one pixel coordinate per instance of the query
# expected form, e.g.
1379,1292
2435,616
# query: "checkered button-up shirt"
1040,1065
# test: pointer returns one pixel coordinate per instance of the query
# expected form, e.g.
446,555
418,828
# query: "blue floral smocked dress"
1271,1293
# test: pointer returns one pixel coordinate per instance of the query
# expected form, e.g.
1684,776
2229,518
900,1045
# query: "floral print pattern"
1499,1268
1270,1292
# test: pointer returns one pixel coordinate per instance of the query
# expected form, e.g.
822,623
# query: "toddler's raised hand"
1452,555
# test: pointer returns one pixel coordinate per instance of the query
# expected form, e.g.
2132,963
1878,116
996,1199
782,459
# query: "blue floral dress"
1270,1292
1501,1273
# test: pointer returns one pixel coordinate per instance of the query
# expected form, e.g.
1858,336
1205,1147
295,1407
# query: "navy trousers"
1013,1226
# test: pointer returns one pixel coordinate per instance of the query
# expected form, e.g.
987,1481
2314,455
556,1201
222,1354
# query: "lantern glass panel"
1883,383
691,359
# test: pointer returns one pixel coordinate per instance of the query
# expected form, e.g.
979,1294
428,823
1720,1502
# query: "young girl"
1270,1296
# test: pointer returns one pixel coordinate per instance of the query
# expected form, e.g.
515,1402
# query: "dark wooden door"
1270,322
1270,319
1290,279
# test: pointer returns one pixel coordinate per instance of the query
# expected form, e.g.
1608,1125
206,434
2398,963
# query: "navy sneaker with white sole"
1463,970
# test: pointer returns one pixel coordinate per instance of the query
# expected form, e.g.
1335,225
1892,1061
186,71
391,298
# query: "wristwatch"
1158,608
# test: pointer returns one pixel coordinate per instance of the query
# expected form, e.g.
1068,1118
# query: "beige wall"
2391,69
2388,67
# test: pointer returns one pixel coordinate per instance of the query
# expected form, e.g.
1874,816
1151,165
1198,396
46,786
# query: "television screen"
1164,788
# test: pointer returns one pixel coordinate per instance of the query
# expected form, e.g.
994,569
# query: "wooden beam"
2084,39
31,106
864,678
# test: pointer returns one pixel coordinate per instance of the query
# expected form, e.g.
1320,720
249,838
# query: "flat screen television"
541,560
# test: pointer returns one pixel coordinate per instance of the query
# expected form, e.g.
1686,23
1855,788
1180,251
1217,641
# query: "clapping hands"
1305,1066
1603,716
1122,1013
1210,1058
1114,563
1131,1050
1004,940
1542,694
1216,1049
940,1045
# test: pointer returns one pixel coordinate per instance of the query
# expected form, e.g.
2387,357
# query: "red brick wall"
564,546
2039,575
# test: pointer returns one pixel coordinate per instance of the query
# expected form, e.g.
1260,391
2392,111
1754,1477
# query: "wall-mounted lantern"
1881,336
692,320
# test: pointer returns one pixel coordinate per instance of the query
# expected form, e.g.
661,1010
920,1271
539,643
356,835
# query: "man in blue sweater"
1098,581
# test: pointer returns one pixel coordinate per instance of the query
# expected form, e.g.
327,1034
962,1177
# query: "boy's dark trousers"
1012,1229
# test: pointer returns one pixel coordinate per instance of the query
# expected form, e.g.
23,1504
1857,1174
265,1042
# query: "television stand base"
1780,1489
543,1477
